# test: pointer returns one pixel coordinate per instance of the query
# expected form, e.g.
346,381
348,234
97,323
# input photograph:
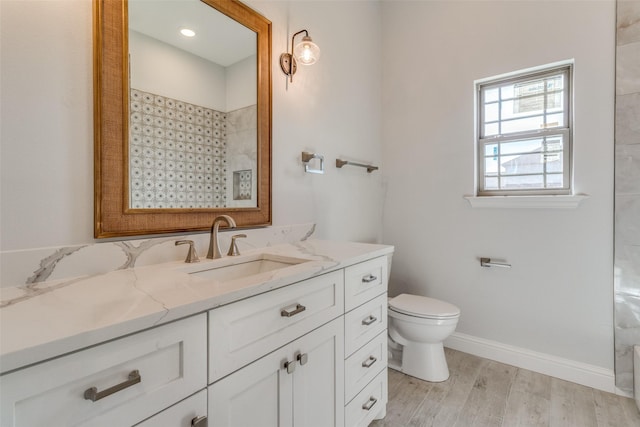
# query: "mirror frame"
112,215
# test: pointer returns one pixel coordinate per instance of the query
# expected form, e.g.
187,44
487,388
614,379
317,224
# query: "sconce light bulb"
307,52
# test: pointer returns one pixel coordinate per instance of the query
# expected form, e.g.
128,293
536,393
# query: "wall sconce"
307,52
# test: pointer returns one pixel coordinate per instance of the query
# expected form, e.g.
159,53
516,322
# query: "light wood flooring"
481,392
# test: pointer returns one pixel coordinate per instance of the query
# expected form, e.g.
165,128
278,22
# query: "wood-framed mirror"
142,161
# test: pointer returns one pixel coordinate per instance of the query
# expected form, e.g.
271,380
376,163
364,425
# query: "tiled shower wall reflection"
627,191
177,154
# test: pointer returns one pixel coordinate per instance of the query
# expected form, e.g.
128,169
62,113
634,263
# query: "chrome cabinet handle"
94,395
199,422
369,362
368,279
367,406
369,320
290,366
303,359
299,309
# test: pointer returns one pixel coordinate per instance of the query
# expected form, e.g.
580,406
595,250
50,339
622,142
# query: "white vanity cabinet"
306,354
119,383
300,384
366,342
277,359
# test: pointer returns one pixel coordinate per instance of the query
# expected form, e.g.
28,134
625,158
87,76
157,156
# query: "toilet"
417,328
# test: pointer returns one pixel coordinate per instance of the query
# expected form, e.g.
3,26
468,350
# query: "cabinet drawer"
242,332
182,414
170,360
364,323
370,403
365,281
363,365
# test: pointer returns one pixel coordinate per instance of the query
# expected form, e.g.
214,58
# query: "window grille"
524,134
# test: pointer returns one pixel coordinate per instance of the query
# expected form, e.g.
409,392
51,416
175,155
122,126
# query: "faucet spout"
214,243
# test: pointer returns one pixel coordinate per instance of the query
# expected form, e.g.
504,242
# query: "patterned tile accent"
177,154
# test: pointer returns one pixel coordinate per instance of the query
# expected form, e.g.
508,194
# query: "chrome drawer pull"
369,320
299,309
94,395
369,362
368,279
303,359
290,366
367,406
199,422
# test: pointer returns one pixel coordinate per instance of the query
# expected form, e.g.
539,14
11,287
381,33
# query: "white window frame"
565,129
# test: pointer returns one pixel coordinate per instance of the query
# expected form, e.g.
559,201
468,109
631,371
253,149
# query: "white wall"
241,79
165,70
557,298
47,129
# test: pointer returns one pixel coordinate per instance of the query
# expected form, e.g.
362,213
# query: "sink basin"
245,267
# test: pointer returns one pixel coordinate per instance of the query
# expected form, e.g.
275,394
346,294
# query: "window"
524,134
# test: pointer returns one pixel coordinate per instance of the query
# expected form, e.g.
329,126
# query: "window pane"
506,92
555,102
555,120
491,129
525,107
491,183
554,181
522,182
554,162
522,125
491,95
491,166
554,143
526,163
491,150
491,112
522,146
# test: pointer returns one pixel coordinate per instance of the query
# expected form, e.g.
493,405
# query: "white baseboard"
565,369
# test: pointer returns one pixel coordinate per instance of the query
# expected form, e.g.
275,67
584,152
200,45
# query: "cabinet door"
318,381
257,395
267,394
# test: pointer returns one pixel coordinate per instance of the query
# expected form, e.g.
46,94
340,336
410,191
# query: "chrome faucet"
214,244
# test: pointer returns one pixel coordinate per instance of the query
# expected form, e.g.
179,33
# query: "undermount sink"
244,267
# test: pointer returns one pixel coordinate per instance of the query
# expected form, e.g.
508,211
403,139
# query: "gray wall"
627,191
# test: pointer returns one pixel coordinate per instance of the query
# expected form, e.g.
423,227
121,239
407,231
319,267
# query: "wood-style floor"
481,392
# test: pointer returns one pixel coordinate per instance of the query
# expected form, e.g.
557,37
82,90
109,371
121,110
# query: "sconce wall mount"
306,52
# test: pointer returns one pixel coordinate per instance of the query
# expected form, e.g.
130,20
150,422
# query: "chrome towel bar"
486,262
370,168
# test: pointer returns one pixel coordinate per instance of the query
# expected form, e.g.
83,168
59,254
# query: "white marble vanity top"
61,316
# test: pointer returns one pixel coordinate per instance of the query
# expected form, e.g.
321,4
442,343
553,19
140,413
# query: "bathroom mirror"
182,133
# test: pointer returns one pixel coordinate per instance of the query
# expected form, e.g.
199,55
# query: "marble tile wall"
29,269
242,156
627,191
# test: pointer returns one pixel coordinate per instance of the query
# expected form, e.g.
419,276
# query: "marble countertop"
57,317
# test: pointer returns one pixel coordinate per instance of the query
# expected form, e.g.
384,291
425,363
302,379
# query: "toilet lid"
420,306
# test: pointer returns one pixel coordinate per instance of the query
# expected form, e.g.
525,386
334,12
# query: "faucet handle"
192,256
233,248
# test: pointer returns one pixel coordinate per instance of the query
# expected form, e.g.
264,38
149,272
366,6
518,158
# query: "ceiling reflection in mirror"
192,108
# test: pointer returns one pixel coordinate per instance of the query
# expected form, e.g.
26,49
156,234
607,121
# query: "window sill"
527,202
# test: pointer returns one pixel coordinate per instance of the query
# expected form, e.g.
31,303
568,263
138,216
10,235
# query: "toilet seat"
423,307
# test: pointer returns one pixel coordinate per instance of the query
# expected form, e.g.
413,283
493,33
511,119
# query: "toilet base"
425,361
